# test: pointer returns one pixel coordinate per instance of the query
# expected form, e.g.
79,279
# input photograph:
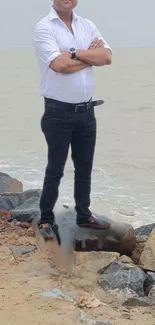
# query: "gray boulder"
139,302
123,280
28,211
149,281
9,184
145,230
9,201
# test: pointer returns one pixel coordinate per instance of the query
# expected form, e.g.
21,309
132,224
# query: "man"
67,47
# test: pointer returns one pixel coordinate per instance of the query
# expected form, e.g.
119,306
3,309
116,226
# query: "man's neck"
64,16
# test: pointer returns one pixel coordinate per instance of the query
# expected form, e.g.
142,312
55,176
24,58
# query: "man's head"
65,5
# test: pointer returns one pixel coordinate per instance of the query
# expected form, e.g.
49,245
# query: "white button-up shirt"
51,36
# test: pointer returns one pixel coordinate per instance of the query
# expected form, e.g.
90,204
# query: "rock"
11,201
18,251
135,256
139,302
152,292
84,319
120,237
141,239
96,261
150,279
125,259
147,258
103,263
145,230
86,300
9,184
123,280
27,211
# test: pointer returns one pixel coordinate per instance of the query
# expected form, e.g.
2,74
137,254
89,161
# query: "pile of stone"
130,276
133,284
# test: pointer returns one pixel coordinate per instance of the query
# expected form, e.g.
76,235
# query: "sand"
23,278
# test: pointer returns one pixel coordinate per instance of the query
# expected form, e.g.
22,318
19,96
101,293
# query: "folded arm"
98,56
65,64
49,55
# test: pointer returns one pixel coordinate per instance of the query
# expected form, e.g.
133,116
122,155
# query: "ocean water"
123,179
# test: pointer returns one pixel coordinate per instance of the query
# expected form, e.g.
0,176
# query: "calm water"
124,169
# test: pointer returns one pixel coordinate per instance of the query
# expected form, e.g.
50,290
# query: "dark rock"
139,302
11,201
84,319
150,279
145,230
18,251
123,280
28,211
9,184
120,237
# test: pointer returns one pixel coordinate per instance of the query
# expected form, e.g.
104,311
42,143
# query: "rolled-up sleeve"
45,45
97,34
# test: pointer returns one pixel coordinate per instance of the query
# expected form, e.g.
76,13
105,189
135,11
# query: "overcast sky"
125,23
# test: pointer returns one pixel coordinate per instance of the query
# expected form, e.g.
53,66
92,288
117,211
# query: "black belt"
81,107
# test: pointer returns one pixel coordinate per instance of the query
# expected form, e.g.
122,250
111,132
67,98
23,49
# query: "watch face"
72,50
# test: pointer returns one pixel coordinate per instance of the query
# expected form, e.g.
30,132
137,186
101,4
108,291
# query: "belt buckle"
84,106
77,107
88,105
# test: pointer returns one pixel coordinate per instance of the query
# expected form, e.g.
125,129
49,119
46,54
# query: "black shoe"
50,232
94,223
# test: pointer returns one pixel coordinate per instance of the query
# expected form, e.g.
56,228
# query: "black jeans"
62,127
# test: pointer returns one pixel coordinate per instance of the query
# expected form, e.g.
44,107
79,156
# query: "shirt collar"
53,15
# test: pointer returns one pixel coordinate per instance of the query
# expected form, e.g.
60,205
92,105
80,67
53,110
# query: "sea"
123,178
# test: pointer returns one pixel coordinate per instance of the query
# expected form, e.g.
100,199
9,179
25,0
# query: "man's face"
65,5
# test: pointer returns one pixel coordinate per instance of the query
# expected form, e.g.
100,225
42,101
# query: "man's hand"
64,64
96,44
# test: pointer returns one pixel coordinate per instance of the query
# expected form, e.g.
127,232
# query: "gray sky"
122,22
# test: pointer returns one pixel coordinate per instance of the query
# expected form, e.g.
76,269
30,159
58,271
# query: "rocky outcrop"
9,184
123,280
147,258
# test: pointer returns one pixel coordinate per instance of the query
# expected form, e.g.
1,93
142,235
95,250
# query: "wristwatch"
72,51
